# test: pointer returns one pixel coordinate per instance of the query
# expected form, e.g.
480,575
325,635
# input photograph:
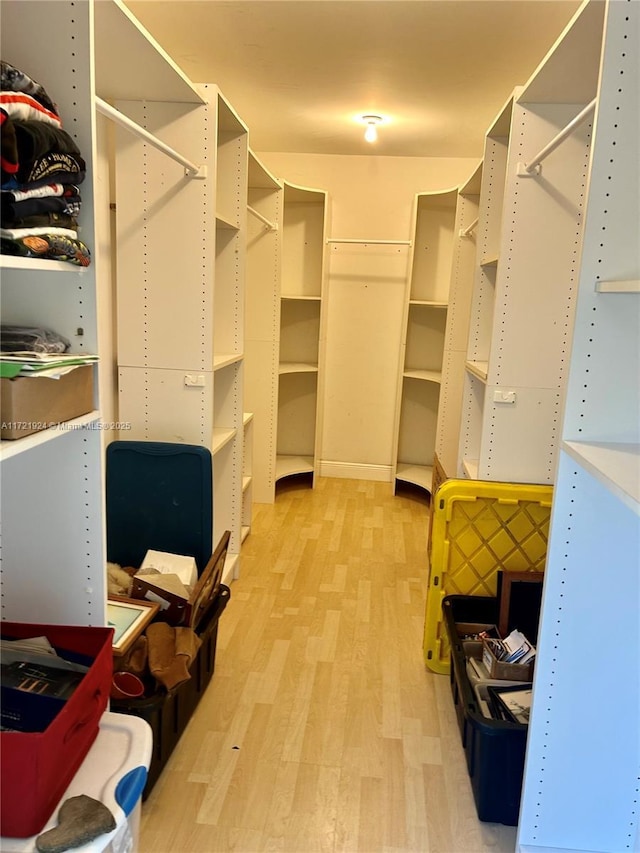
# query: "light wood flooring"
322,730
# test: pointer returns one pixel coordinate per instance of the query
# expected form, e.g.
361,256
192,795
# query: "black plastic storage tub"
169,713
494,749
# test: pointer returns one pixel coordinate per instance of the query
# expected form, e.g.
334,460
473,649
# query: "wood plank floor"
322,730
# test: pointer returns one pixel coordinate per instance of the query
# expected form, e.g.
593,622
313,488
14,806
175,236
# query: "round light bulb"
371,134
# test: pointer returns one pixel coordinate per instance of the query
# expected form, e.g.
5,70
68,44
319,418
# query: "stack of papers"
513,649
53,364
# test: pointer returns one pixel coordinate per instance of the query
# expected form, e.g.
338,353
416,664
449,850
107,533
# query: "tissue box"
180,605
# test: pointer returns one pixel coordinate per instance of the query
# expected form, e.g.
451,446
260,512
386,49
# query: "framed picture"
512,703
520,595
128,617
209,582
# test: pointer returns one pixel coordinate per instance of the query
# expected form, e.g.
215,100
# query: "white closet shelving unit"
301,331
424,335
528,236
51,481
457,329
181,236
582,768
262,321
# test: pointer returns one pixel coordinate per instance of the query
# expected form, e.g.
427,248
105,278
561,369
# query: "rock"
80,820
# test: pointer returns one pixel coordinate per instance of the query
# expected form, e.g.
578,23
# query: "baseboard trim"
355,471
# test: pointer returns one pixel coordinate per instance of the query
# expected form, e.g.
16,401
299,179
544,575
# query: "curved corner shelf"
417,475
288,465
424,375
300,297
297,367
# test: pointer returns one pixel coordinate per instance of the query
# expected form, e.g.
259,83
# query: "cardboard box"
37,767
30,404
499,669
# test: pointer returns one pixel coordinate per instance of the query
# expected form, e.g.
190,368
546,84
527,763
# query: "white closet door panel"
538,265
592,532
52,547
297,400
364,324
260,394
64,301
519,439
159,406
450,410
164,295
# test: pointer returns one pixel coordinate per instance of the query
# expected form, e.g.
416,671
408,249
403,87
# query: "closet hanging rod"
262,218
191,169
377,242
466,232
532,168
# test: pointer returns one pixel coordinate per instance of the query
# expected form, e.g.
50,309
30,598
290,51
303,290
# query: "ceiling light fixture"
371,121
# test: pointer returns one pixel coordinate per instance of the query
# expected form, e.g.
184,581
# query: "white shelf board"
300,298
427,303
470,467
616,466
221,360
480,369
131,65
246,482
247,417
29,442
226,224
259,176
489,262
418,475
297,367
12,262
221,437
424,375
287,465
244,532
629,286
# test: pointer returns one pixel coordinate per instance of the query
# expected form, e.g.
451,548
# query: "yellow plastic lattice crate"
480,528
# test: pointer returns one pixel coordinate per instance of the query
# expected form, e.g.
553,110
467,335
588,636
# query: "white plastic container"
114,772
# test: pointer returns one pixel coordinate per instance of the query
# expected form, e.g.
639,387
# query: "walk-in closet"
346,331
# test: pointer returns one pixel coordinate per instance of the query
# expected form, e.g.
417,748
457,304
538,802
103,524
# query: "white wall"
370,198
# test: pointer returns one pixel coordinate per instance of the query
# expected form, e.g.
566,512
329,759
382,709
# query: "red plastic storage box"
37,767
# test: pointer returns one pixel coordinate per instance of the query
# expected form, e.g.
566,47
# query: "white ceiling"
299,71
